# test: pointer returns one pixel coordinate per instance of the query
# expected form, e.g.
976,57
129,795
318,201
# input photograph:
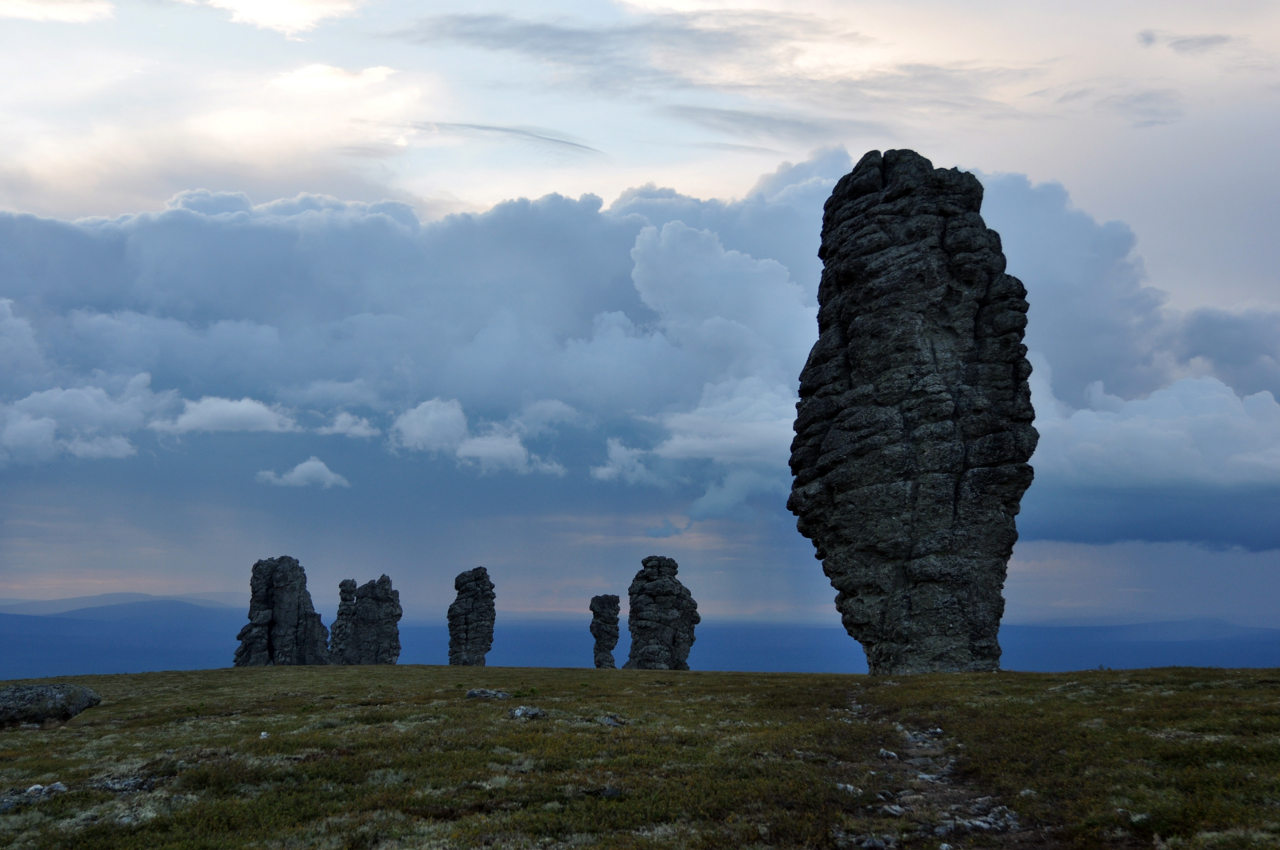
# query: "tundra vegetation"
399,756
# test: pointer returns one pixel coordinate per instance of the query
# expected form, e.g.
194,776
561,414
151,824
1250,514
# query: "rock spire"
604,628
914,425
662,617
366,630
471,618
283,626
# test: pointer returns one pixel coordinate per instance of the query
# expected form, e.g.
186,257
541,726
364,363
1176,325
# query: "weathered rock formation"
604,628
662,617
366,630
913,428
283,626
40,703
471,618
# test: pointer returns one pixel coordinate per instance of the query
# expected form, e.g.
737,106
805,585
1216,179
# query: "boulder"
40,703
914,425
662,617
604,628
471,618
367,628
283,627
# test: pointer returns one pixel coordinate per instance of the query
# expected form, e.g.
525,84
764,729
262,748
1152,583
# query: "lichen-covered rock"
367,628
283,627
471,618
662,617
914,424
604,628
39,703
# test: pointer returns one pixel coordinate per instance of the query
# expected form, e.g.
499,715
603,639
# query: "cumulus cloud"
224,414
656,342
312,472
437,425
440,426
349,425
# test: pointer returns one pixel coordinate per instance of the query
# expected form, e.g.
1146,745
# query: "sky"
399,288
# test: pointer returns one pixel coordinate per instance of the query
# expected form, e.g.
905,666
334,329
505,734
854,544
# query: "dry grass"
390,757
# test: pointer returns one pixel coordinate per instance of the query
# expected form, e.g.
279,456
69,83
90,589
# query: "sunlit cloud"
60,11
286,16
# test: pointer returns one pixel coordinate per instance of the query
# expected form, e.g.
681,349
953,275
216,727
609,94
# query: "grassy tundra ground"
393,757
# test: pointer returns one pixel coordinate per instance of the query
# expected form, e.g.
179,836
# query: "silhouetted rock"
39,703
366,630
471,618
913,428
604,628
283,626
662,617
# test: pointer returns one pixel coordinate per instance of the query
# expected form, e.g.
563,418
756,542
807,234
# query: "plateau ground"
399,756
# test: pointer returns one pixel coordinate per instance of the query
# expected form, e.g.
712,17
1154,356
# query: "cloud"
223,414
1186,44
349,425
502,451
440,426
286,16
1195,431
649,349
60,11
1145,108
85,421
535,135
437,425
312,472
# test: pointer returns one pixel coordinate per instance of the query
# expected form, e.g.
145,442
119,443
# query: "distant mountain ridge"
39,607
158,633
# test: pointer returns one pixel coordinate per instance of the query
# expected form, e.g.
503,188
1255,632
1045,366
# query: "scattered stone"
604,628
283,627
471,618
848,789
486,693
367,628
662,619
526,712
914,424
25,705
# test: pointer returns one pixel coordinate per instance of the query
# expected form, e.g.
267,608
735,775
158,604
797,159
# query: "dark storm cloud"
648,348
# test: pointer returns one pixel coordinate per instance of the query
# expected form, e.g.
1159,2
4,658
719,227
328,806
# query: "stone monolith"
914,425
367,628
283,626
604,628
471,618
662,617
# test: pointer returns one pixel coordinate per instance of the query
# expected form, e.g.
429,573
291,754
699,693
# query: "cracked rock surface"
367,628
663,615
604,628
914,425
471,618
283,627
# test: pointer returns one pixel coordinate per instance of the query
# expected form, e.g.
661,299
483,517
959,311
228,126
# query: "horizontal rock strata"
914,424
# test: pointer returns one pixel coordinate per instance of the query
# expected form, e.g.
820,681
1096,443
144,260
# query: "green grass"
391,757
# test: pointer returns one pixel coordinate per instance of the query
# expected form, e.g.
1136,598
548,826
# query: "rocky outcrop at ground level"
914,425
283,627
663,615
367,628
471,618
40,703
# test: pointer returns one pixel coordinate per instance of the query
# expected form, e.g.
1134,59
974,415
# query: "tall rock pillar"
914,425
